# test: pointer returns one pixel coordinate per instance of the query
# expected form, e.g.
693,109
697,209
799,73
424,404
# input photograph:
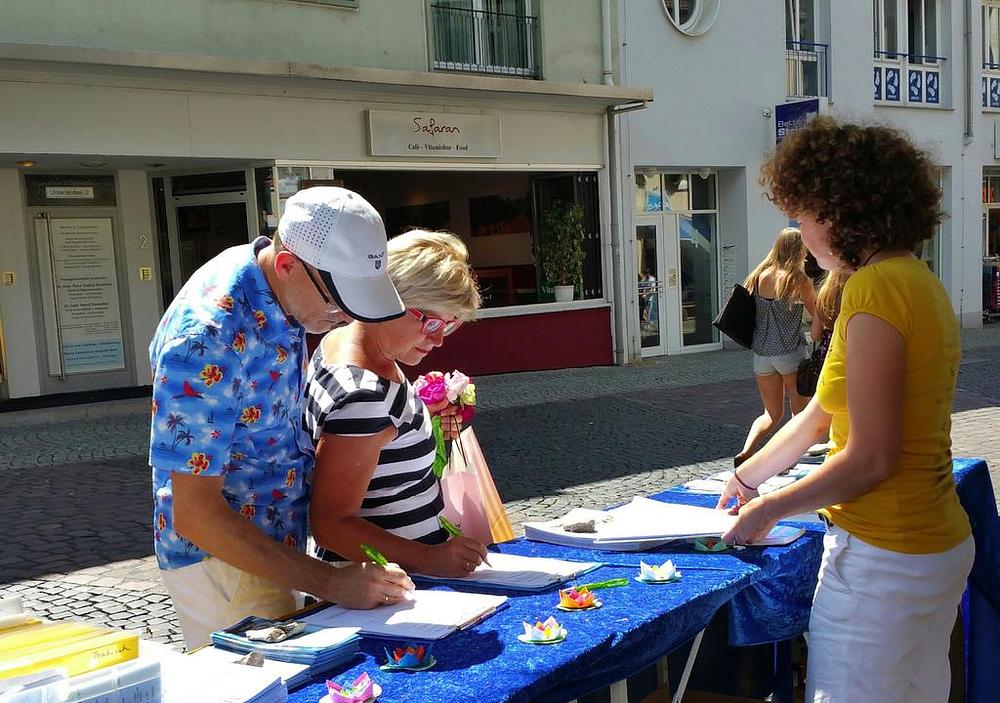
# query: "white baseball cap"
341,235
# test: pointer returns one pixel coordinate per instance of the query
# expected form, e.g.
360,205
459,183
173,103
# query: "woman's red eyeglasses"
433,325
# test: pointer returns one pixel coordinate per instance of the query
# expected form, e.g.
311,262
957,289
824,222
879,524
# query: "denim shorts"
783,364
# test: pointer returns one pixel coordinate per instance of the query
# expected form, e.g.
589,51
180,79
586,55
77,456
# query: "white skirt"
881,622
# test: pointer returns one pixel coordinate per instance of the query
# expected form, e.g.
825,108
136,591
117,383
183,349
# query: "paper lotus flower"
572,599
664,572
547,631
409,657
363,689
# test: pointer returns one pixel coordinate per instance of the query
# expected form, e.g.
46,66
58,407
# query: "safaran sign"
438,135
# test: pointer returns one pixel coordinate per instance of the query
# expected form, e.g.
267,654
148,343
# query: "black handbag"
739,317
807,375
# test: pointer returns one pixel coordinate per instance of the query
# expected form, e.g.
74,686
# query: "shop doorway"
677,262
991,248
204,214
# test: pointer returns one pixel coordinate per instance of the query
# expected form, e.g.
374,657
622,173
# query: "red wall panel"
556,340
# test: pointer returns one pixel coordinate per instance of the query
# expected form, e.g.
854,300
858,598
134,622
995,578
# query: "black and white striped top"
404,496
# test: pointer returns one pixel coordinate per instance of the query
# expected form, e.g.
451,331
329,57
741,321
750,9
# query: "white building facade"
726,75
138,138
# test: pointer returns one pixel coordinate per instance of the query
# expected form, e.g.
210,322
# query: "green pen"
456,531
611,583
374,554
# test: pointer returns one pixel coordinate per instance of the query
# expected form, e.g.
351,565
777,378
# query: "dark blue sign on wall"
790,116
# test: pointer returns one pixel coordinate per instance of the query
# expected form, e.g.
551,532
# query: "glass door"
649,286
698,255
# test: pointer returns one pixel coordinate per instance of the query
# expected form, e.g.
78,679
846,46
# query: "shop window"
495,214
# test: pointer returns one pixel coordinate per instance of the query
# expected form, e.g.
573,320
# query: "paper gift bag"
470,496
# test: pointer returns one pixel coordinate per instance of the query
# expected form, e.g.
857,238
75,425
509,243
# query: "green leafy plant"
561,248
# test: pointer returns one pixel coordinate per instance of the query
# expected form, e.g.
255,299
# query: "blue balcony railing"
479,41
904,78
806,69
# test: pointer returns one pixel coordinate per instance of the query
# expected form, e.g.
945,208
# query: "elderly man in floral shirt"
231,464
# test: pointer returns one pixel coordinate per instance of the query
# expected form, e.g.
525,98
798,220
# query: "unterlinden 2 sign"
432,134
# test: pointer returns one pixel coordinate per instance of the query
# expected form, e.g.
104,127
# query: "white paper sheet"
431,615
520,572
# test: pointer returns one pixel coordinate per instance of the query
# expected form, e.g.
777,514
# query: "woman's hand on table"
456,558
753,522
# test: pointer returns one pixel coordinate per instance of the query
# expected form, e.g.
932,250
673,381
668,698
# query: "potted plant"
561,248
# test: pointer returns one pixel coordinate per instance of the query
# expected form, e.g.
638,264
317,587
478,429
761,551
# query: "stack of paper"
641,524
320,648
430,615
137,680
187,678
294,675
518,573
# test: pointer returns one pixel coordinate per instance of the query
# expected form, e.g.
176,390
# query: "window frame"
342,4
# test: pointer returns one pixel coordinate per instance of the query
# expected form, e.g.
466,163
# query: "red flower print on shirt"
253,384
240,342
248,511
271,441
211,374
281,354
276,494
198,462
163,380
290,541
225,302
216,434
290,478
250,415
261,319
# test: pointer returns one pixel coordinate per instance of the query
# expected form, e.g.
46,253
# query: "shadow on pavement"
70,517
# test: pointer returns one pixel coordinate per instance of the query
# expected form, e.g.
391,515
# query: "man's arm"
202,515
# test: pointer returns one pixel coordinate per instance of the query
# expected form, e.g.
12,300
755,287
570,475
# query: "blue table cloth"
981,603
769,592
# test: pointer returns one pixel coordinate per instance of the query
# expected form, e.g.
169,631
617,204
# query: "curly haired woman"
898,548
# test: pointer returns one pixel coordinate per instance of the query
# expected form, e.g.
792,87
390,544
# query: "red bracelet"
736,475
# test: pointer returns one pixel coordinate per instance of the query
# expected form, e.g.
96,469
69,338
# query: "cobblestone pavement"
75,494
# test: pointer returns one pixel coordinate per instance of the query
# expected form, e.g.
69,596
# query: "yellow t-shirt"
916,510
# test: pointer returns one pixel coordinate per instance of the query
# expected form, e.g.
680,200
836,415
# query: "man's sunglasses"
433,325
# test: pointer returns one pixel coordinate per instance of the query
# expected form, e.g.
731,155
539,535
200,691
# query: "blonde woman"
781,290
373,481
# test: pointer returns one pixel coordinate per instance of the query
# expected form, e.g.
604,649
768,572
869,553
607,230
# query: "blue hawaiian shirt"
228,369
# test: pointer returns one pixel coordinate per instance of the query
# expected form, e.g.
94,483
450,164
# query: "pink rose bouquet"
434,388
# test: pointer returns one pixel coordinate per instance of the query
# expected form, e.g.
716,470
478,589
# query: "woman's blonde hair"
787,257
431,272
829,295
